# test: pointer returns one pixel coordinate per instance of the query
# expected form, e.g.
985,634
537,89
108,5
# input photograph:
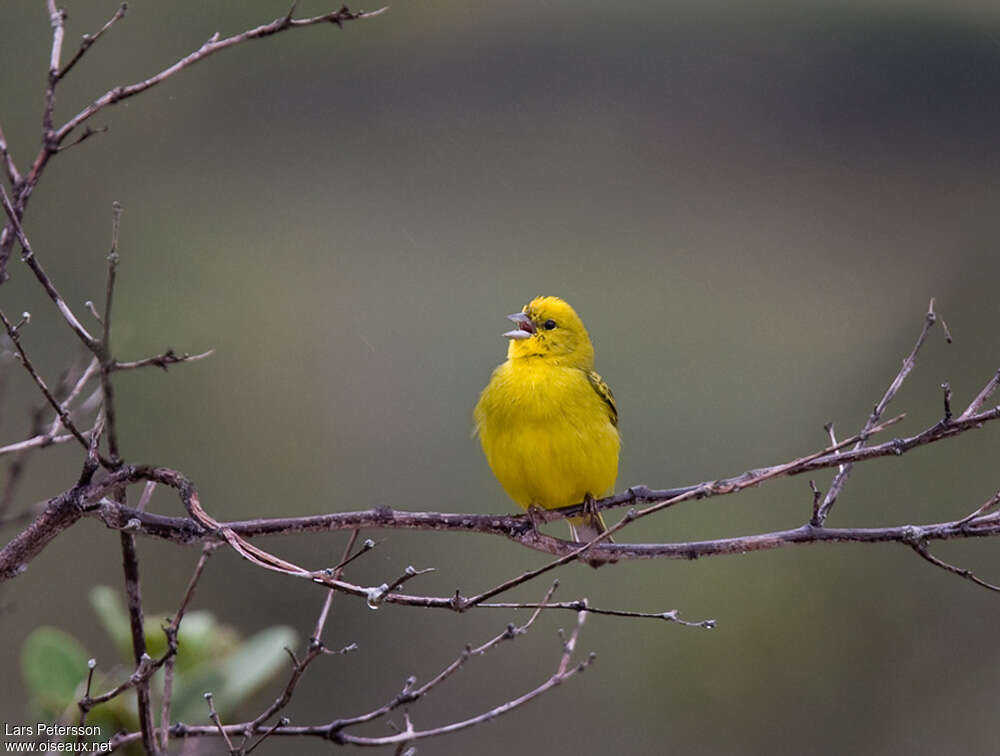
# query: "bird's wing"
604,391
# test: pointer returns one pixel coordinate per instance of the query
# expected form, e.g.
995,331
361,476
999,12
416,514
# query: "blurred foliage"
211,657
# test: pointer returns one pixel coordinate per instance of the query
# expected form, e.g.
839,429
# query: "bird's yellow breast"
547,434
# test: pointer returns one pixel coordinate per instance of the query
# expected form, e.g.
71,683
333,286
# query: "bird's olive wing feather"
604,391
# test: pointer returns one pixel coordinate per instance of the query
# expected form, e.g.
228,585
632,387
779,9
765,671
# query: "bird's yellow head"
549,328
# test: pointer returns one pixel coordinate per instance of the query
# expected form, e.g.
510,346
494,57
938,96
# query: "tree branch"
819,518
334,730
212,46
89,39
28,255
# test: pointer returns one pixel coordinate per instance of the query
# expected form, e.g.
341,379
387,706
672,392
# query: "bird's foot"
536,517
593,514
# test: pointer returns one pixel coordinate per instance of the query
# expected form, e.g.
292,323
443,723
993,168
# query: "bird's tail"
585,529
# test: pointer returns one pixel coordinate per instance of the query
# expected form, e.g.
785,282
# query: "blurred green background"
749,204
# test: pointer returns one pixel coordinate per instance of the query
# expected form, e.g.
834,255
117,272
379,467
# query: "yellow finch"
547,422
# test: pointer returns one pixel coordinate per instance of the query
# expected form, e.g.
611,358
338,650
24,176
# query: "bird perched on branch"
547,421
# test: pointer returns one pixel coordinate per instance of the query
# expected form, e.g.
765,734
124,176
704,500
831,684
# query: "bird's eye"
549,325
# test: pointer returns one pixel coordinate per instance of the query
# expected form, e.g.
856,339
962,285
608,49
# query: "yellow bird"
547,421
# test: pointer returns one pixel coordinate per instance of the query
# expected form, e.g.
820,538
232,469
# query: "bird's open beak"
525,328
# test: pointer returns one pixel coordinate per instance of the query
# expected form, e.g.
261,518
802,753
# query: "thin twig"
990,503
338,571
13,175
57,17
28,256
316,647
334,730
367,546
104,350
283,722
89,372
171,632
39,441
64,417
53,139
214,716
410,694
841,477
91,666
981,397
580,606
213,45
143,671
89,39
164,360
919,546
88,132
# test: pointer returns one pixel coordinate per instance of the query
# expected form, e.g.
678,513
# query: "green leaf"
202,638
189,692
110,610
53,664
252,664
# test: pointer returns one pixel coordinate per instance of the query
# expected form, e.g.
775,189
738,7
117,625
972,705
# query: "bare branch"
214,716
52,139
130,564
581,606
104,350
283,722
410,694
317,636
171,632
316,649
213,45
57,17
62,512
88,372
13,175
29,258
841,477
39,441
919,546
563,672
89,39
143,672
63,414
164,360
946,389
334,731
990,504
981,397
88,132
